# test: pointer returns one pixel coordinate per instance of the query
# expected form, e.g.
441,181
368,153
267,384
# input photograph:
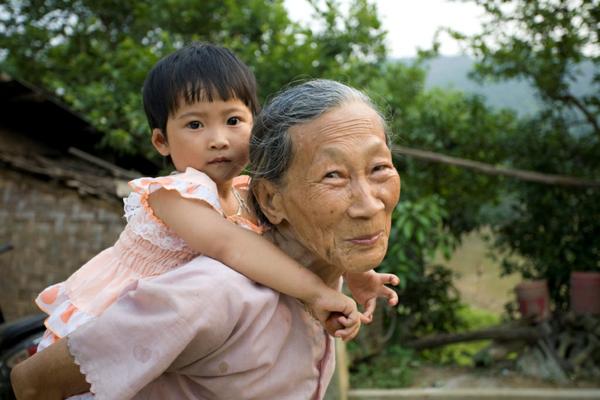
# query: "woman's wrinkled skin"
340,190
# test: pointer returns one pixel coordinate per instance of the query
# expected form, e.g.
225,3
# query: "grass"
461,354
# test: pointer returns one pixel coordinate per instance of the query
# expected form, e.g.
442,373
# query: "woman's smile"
367,240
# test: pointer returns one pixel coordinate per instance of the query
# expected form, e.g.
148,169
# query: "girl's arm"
207,232
48,375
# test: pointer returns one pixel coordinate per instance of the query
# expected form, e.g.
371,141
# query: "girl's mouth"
219,160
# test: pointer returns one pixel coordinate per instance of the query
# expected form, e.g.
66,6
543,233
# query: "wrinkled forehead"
350,122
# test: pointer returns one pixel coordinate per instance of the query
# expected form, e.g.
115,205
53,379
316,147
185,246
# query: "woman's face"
341,188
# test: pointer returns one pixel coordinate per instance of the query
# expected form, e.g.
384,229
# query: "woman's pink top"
204,331
145,248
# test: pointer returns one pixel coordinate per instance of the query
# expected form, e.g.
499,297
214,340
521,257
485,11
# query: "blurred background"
494,106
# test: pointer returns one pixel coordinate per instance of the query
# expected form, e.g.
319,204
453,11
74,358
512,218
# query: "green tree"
554,229
448,122
95,54
544,43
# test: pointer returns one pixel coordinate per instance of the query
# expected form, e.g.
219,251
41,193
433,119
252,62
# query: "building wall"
54,232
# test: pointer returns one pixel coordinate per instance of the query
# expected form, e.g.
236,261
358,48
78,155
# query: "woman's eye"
233,121
332,174
194,125
381,167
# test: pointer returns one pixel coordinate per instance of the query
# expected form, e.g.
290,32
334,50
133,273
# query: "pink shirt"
204,331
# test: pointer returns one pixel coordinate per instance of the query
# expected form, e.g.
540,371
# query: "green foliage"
554,229
469,318
95,54
544,43
452,123
394,366
391,369
428,300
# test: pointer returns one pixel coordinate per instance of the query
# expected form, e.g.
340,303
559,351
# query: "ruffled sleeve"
191,184
147,328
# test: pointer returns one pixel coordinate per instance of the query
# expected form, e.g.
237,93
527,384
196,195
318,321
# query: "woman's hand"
366,287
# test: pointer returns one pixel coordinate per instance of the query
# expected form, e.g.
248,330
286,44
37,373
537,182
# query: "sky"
411,23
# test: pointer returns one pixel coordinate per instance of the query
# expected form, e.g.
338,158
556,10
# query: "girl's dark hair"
197,72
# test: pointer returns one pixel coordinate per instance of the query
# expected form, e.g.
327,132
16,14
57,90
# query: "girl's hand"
366,287
337,313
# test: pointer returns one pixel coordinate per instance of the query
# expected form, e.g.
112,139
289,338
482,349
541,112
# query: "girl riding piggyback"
200,102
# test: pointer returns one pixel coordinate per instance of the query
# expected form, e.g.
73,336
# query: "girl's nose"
218,140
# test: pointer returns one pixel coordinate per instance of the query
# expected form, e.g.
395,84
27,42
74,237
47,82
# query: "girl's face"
211,137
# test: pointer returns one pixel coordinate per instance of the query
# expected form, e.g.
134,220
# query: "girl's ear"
270,201
160,143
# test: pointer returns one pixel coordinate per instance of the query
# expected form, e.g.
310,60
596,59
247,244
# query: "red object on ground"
585,292
534,299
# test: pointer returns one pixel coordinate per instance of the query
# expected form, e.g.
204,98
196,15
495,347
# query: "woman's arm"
205,231
49,374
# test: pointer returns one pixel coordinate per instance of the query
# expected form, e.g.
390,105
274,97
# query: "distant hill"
452,72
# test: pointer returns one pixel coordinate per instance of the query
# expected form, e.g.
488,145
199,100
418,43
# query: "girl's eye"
233,121
194,125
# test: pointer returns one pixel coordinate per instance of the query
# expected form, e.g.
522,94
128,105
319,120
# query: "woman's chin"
363,263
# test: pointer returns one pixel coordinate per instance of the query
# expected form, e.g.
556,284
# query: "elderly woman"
323,179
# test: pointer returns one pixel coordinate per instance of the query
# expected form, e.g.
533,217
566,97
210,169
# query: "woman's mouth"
367,240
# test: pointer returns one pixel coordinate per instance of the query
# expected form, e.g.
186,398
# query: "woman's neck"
289,245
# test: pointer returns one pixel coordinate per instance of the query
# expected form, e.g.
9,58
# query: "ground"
463,377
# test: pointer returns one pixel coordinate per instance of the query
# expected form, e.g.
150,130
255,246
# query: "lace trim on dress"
156,233
141,218
143,225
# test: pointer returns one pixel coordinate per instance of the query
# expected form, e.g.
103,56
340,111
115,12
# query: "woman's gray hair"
271,146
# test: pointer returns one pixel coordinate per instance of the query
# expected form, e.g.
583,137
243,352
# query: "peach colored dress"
145,248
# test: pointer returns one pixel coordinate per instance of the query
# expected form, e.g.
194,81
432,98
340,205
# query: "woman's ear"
269,199
160,143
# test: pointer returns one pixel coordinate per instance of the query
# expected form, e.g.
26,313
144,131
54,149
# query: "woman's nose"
365,202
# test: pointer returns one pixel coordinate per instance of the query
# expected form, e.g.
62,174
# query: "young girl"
200,102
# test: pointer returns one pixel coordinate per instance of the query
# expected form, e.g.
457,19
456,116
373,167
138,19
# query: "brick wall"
54,232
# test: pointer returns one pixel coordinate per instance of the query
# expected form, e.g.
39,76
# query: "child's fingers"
350,308
391,295
348,333
369,309
353,333
332,325
366,319
350,320
390,279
